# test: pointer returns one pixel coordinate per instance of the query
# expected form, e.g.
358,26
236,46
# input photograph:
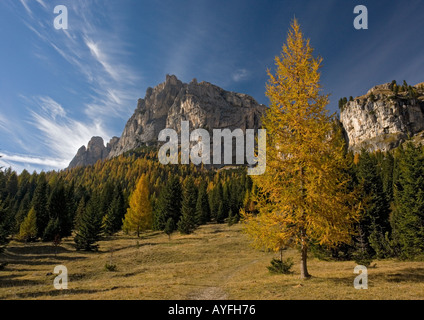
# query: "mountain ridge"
203,104
382,119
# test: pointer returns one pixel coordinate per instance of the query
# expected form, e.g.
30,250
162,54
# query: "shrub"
281,266
110,267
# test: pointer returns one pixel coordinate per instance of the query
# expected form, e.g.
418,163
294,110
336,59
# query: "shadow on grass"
36,249
132,246
406,275
39,260
12,281
56,293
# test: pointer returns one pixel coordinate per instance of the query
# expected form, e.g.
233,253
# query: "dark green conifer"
187,223
90,227
407,219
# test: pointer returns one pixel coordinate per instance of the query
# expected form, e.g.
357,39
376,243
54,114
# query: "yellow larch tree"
139,216
304,196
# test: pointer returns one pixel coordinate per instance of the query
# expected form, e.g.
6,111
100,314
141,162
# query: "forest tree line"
93,201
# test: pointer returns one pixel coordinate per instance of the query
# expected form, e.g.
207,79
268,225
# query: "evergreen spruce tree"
220,215
395,89
404,86
232,219
168,204
169,227
4,225
106,198
79,213
374,222
108,223
341,106
226,202
392,85
52,230
12,185
112,221
28,228
215,200
59,214
202,206
23,205
71,204
90,227
387,171
39,203
407,219
187,222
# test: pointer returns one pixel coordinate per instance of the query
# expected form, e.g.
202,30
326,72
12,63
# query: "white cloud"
25,5
4,124
102,59
51,107
240,75
62,135
97,53
41,2
86,45
25,159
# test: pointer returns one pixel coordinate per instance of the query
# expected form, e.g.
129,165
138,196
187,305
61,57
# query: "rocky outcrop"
203,104
381,119
95,151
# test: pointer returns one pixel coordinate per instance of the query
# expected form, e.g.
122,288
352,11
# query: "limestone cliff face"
381,119
203,104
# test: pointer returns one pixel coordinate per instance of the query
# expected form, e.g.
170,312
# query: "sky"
60,87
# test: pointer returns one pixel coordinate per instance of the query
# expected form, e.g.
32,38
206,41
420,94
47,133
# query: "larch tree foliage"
303,197
139,216
28,228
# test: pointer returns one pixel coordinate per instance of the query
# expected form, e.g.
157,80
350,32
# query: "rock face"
95,151
203,104
381,120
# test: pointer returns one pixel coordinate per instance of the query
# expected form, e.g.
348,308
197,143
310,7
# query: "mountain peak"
95,151
203,104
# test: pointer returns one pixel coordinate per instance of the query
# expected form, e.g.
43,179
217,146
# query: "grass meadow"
215,262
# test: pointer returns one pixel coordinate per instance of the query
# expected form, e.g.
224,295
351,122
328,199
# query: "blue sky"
60,87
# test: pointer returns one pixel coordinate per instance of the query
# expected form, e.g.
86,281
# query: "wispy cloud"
61,134
95,50
240,75
41,2
99,55
85,46
49,162
25,5
4,124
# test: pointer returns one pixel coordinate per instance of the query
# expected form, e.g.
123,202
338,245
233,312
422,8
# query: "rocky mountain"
384,117
96,150
203,104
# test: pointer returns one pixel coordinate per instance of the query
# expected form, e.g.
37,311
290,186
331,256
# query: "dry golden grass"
215,262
